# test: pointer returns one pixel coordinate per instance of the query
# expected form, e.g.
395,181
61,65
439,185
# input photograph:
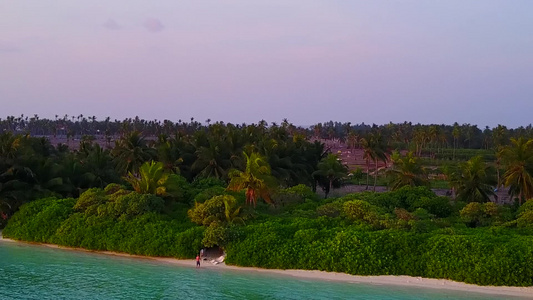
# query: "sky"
430,62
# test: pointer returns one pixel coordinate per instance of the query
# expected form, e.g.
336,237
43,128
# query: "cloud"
111,24
8,48
153,25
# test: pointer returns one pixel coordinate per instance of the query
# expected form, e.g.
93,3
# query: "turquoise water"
37,272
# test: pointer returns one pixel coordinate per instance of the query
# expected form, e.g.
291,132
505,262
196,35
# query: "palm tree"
213,160
352,140
474,181
131,151
98,163
153,179
367,156
9,146
406,171
375,150
518,161
331,169
230,211
456,134
256,179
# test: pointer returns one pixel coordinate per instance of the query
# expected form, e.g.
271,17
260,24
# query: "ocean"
39,272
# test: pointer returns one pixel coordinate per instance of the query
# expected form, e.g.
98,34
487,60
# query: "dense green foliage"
478,258
405,232
120,221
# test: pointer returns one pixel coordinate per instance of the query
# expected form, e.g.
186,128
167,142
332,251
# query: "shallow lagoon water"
38,272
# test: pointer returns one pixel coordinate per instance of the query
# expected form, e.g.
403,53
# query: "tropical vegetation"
264,193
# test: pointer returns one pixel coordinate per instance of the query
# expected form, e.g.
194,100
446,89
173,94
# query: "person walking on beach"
198,260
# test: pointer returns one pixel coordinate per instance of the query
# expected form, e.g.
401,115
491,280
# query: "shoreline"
389,280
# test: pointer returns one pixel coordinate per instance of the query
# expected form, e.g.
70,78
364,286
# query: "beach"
407,281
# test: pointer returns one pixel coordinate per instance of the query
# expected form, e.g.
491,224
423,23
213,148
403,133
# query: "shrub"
403,214
295,195
438,206
215,234
477,214
472,214
113,188
209,193
404,197
91,197
422,214
304,192
133,204
527,206
331,210
360,210
525,219
37,221
217,209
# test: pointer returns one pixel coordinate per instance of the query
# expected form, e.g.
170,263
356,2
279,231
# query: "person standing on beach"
198,260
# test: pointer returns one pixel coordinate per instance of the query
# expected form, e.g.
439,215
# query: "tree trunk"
367,173
376,175
454,146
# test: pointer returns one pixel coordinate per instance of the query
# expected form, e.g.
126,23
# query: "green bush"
215,234
405,197
91,197
479,259
527,206
472,214
331,210
438,206
476,214
364,234
422,214
525,219
37,221
113,188
209,193
403,214
220,209
360,210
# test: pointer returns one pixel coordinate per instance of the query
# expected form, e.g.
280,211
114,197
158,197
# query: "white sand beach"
525,292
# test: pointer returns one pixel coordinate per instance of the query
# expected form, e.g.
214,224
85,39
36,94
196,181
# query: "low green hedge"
55,221
479,258
356,236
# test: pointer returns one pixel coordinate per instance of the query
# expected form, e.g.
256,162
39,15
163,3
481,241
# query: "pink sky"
243,61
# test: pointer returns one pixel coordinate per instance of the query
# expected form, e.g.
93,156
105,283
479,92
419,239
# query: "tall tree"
375,149
212,161
256,179
131,151
331,169
456,132
406,171
474,181
153,179
517,159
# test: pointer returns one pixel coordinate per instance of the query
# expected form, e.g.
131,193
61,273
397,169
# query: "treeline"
406,135
418,137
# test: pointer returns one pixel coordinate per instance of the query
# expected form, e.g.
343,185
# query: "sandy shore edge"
407,281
